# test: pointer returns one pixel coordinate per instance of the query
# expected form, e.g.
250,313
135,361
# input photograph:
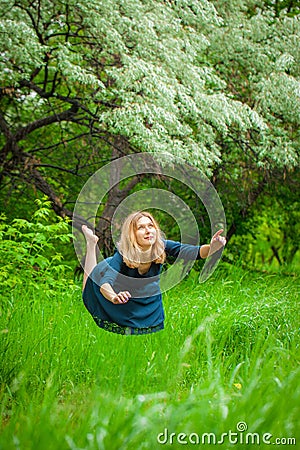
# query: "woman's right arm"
112,271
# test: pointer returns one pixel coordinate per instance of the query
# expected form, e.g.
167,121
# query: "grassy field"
224,372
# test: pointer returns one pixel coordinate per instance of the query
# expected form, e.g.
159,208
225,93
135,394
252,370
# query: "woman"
122,293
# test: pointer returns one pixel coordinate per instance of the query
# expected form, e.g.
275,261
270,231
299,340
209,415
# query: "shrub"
29,249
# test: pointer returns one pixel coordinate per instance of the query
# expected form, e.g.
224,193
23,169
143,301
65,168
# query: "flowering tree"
86,82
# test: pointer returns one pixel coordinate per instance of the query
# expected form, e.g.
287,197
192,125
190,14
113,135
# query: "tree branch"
65,115
62,169
35,26
4,127
34,177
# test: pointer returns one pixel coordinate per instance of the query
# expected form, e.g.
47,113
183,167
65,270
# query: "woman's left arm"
217,242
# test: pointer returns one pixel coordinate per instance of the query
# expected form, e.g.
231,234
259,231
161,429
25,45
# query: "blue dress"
144,312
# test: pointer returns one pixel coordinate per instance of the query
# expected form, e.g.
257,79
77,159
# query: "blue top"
144,308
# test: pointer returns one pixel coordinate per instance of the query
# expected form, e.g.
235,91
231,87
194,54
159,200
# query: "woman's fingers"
217,237
122,297
217,234
217,242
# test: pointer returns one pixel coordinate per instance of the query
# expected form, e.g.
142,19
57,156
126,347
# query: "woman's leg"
91,246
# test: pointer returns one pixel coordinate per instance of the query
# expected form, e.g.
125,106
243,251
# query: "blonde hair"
132,253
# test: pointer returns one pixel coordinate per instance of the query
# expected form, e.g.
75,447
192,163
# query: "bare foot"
90,237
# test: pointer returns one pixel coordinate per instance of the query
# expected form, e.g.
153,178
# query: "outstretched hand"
217,242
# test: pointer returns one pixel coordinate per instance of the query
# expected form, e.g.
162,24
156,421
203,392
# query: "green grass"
229,354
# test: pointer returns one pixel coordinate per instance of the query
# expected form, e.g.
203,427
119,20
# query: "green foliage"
261,64
216,83
150,71
29,251
268,238
19,40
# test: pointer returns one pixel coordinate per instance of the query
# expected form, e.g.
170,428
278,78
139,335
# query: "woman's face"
145,233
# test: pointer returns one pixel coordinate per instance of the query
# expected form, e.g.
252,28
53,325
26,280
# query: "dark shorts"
119,329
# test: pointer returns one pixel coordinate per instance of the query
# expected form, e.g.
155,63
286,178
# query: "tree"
261,66
83,83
